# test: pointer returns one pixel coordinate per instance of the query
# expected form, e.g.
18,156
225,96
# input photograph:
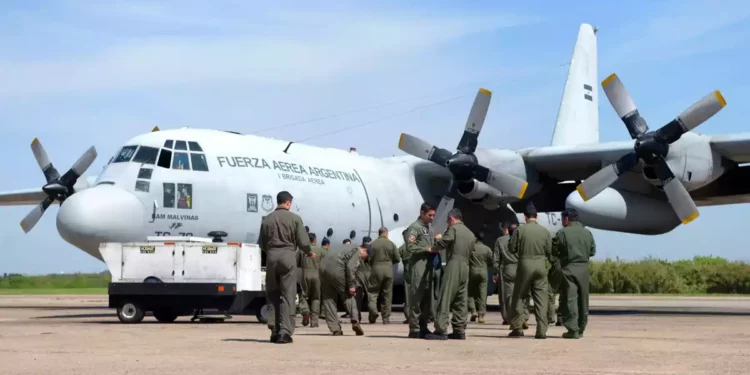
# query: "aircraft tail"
578,115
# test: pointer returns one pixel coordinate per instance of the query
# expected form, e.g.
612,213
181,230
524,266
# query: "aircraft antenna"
287,147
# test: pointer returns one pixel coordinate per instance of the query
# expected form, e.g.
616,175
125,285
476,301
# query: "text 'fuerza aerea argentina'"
282,166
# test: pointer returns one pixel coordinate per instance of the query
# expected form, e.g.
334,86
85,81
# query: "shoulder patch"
412,238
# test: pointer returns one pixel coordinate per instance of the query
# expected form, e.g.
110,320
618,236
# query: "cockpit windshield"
182,158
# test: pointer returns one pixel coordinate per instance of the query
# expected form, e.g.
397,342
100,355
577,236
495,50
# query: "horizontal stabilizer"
23,197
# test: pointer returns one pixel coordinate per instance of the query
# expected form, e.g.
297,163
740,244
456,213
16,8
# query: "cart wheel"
130,313
262,313
165,315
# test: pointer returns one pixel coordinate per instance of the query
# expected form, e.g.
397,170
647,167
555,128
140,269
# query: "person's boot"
481,319
338,333
406,321
373,319
505,323
457,336
386,321
436,336
274,337
516,333
570,335
541,336
357,329
305,319
473,318
284,339
525,325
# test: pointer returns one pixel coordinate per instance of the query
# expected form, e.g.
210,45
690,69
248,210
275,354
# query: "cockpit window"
194,146
125,154
180,145
165,158
181,161
199,162
168,143
146,155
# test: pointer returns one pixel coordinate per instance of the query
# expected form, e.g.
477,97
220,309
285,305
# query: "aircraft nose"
104,213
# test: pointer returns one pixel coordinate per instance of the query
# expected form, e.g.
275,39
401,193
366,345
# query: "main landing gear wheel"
130,313
262,313
165,316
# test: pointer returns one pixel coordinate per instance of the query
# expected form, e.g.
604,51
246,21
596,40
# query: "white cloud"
303,46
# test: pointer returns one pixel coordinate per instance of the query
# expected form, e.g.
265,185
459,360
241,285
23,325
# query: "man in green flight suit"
282,232
458,242
574,245
419,241
338,277
325,246
364,271
507,263
479,262
385,255
532,244
405,273
310,297
554,280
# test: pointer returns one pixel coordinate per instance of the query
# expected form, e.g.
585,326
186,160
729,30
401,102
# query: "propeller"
463,164
652,146
57,187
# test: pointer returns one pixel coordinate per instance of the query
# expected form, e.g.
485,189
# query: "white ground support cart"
178,276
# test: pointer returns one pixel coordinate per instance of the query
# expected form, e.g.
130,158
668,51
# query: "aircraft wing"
577,162
735,147
22,197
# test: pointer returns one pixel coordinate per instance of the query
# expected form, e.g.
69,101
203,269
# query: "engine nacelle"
622,211
477,191
511,162
692,160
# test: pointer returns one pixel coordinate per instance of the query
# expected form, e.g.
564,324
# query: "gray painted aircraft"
188,182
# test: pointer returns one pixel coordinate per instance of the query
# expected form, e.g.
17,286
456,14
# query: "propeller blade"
695,115
504,182
81,165
35,214
50,173
423,150
606,176
623,104
469,140
678,196
440,221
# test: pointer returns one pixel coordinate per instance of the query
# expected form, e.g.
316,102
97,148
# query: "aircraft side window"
165,158
145,173
146,155
329,233
168,201
395,217
125,154
352,234
194,146
184,196
142,186
168,143
181,161
180,145
199,162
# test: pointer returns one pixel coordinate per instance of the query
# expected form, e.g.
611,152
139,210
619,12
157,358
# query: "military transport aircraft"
188,182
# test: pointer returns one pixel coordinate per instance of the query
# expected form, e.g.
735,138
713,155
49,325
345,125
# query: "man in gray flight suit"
507,262
282,232
338,278
574,245
419,241
532,243
480,261
385,255
310,297
458,242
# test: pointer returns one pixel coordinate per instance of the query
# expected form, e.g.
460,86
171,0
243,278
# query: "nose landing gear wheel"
130,313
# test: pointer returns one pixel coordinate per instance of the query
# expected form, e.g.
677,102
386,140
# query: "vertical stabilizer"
578,116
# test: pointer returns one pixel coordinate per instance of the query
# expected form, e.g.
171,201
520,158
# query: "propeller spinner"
652,146
58,187
463,164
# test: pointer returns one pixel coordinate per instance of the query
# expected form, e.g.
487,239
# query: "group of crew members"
518,263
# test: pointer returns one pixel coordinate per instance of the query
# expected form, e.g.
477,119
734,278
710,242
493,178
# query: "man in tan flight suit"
385,255
338,278
282,232
310,297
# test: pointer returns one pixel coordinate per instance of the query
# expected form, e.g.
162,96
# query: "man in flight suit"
458,242
325,246
507,262
338,278
554,280
385,255
532,244
574,245
406,274
418,241
479,262
281,234
310,297
363,276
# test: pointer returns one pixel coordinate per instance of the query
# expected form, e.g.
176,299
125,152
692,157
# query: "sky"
349,74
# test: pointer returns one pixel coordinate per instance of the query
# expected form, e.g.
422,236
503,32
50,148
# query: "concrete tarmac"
626,335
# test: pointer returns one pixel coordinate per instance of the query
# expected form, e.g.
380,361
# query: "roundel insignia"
412,238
